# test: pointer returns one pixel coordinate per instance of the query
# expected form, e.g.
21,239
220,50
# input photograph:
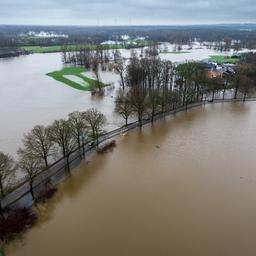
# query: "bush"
107,147
18,221
45,195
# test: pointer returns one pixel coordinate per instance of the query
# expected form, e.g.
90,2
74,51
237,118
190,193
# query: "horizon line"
134,25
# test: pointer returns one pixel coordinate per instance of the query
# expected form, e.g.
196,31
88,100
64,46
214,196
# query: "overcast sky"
126,12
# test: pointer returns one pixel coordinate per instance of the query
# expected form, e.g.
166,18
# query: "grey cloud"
88,12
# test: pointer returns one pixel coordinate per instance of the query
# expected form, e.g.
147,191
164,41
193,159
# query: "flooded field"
184,186
29,97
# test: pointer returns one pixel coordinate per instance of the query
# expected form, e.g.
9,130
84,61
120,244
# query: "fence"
20,196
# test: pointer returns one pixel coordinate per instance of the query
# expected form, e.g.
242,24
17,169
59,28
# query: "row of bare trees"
43,145
88,56
151,86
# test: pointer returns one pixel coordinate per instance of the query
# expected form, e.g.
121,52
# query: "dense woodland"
245,34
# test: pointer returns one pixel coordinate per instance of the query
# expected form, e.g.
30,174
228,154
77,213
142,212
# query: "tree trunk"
31,190
79,146
83,149
1,210
236,91
152,116
78,142
213,94
46,161
63,151
122,79
97,140
223,95
244,97
68,165
140,121
202,97
2,189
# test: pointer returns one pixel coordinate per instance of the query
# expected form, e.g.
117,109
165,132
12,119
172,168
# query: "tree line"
43,144
10,35
151,86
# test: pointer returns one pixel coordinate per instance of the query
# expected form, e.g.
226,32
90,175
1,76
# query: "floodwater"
185,186
28,97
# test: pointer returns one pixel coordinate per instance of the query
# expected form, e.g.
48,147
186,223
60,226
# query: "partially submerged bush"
46,194
18,221
107,147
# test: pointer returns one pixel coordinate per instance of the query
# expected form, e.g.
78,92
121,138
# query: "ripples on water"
184,186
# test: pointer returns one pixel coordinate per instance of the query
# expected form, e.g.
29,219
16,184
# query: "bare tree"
95,68
79,128
31,166
38,143
246,87
96,120
139,103
124,107
117,55
154,102
7,173
120,69
62,135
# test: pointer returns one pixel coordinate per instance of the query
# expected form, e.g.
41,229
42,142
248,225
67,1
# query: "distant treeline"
6,52
245,34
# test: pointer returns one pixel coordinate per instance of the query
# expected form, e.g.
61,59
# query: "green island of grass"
88,85
223,59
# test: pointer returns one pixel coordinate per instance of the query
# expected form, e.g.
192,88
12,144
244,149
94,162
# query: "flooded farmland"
184,186
29,97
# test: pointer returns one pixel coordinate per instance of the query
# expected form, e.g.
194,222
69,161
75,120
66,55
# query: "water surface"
28,97
184,187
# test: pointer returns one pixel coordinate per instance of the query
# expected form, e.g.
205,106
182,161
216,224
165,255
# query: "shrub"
16,222
107,147
46,194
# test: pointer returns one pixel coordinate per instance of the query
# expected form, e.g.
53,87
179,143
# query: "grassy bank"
88,84
223,59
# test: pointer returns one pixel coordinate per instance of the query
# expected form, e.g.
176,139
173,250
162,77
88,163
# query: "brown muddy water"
29,97
186,186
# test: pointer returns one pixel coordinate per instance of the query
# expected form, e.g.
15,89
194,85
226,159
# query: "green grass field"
88,85
58,48
223,59
43,49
